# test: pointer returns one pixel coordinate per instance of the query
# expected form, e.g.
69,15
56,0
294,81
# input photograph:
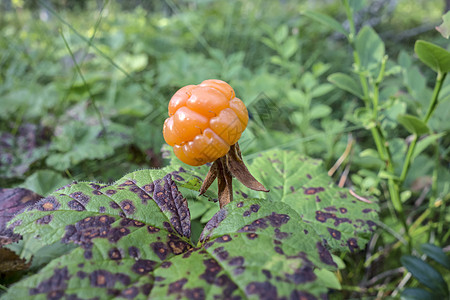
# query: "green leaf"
301,182
44,182
290,46
321,90
18,152
370,48
327,276
413,124
444,28
319,111
78,142
346,83
342,220
416,294
137,230
269,43
425,274
424,143
435,57
281,34
386,175
133,237
437,254
363,116
123,232
326,20
255,224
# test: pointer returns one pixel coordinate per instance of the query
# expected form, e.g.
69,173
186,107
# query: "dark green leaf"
437,254
416,294
326,20
413,124
370,48
347,83
435,57
425,274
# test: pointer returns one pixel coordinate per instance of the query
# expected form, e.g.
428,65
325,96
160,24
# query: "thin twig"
360,198
401,284
343,156
384,274
422,196
344,176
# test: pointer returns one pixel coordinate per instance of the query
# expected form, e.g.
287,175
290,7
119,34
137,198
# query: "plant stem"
434,100
377,134
433,103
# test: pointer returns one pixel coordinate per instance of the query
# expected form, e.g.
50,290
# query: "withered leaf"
12,201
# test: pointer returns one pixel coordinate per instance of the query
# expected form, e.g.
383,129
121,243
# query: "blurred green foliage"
84,90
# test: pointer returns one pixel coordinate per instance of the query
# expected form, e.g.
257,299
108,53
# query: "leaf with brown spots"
12,201
132,237
121,233
335,214
139,247
264,254
303,184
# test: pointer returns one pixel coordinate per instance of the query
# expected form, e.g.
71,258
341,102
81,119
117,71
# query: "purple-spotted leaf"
13,201
123,232
252,249
132,238
344,221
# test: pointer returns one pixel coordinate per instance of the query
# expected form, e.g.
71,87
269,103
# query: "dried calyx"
224,169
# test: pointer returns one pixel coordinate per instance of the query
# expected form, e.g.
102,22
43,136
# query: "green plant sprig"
377,134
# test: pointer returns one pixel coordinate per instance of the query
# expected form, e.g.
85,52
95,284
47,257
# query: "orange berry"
204,121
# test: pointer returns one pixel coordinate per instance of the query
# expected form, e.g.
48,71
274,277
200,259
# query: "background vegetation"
84,87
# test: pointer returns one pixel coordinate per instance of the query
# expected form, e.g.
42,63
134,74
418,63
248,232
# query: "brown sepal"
225,184
224,169
239,170
210,177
